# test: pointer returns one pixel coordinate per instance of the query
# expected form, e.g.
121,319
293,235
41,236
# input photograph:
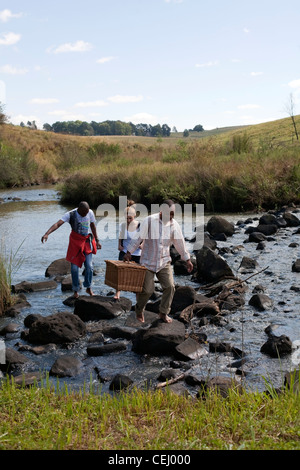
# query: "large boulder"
26,286
217,225
277,346
211,267
160,338
66,366
59,267
98,307
59,328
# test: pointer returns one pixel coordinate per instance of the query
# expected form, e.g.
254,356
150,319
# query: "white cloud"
78,46
125,99
249,106
208,64
8,39
87,104
144,118
44,100
18,118
246,30
6,15
256,74
295,83
103,60
174,1
66,115
9,69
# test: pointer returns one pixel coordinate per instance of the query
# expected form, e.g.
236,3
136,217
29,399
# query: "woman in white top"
129,231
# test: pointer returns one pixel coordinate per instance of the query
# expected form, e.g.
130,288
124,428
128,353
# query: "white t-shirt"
82,223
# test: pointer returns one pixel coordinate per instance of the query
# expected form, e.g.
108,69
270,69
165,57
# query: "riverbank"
39,419
245,169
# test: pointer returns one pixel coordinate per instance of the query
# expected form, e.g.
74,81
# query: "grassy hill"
227,169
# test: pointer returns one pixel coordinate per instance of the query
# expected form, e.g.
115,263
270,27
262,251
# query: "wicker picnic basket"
124,275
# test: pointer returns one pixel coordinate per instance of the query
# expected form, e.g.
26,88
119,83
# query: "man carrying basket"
159,231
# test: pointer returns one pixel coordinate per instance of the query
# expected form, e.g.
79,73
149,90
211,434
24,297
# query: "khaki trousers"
165,277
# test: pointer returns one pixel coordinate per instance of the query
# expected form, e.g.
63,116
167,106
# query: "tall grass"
243,169
40,419
9,264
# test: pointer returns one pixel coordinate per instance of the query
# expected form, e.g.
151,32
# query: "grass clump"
38,418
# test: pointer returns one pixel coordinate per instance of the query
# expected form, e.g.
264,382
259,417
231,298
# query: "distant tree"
198,128
174,129
289,107
22,124
3,117
46,127
186,133
166,130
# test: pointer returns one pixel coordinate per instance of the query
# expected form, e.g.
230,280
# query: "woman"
129,230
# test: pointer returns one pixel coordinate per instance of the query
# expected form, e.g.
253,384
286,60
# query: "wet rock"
256,237
248,264
221,385
26,286
291,219
190,350
296,266
261,301
211,267
9,328
28,379
19,303
217,225
168,374
120,382
219,347
98,307
13,360
66,366
183,297
277,346
44,349
180,268
108,348
160,338
59,328
125,332
59,267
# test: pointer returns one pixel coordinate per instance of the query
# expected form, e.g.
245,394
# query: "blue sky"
179,62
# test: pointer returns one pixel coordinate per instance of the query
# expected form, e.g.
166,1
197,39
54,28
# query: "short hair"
169,202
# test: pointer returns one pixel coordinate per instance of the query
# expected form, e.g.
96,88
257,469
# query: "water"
24,221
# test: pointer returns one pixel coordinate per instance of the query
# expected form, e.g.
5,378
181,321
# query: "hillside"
234,168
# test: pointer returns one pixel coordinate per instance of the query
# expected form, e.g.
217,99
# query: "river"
27,213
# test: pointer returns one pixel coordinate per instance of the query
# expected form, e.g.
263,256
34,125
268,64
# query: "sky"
176,62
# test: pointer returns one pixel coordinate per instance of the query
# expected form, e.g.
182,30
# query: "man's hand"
127,256
189,266
44,238
98,245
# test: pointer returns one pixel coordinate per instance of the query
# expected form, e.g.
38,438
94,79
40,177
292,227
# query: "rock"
160,338
211,267
28,379
108,348
256,237
296,266
291,219
261,301
168,374
132,322
183,297
66,366
44,349
13,360
19,303
98,307
248,264
59,328
59,267
9,328
66,283
26,286
190,350
180,268
125,332
120,382
277,346
217,225
269,229
221,385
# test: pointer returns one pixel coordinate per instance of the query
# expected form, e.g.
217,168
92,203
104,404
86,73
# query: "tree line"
112,128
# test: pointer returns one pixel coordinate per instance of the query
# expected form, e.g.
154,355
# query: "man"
159,232
82,245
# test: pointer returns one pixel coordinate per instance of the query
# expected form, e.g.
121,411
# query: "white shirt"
83,223
158,237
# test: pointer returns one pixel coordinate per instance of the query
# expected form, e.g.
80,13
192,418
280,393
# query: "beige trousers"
165,277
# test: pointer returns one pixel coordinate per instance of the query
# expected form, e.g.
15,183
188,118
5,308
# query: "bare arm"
94,232
52,229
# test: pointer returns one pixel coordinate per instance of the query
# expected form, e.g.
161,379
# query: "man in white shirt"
159,232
